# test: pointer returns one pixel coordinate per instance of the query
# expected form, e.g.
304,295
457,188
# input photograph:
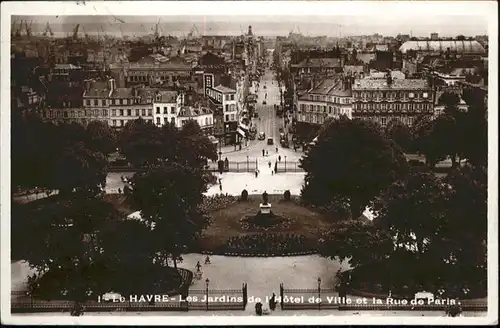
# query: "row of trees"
76,240
433,228
456,134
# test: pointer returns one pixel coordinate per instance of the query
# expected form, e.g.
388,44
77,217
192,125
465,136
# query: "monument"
265,206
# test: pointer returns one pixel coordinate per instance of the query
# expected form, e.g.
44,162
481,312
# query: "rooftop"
224,89
166,96
329,87
122,93
193,112
98,89
465,46
320,62
381,84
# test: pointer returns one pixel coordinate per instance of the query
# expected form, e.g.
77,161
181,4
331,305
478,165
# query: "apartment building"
102,100
382,100
166,107
329,99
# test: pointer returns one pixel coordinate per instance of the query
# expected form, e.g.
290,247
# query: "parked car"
262,136
270,141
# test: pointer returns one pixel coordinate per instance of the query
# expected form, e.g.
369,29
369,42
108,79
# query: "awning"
241,132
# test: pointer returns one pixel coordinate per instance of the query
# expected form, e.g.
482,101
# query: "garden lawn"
225,223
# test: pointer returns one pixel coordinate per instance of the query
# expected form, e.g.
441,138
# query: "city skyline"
331,26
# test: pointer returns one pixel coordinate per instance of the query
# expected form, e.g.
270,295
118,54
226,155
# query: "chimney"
389,78
88,84
112,85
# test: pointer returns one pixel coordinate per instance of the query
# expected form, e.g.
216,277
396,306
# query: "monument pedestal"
265,209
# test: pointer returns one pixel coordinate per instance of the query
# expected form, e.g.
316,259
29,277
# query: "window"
121,101
123,122
113,112
158,121
426,95
87,102
227,108
172,120
383,121
172,110
113,123
150,112
137,112
165,120
121,112
232,97
96,102
104,112
227,117
129,112
143,112
157,110
330,109
165,110
411,95
233,117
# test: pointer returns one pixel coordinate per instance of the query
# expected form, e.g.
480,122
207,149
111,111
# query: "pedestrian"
207,260
198,266
267,153
272,172
279,158
263,152
220,187
276,149
256,173
269,164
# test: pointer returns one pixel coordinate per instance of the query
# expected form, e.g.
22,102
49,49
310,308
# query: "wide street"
268,123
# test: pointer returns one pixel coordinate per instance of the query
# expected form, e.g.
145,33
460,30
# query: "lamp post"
207,281
319,293
285,163
247,164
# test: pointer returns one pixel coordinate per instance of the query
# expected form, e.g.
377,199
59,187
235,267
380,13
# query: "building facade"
166,107
329,99
382,100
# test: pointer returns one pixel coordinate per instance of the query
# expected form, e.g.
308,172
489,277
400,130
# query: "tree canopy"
168,197
145,144
353,159
63,156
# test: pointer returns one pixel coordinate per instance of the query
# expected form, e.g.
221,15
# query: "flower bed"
216,202
252,222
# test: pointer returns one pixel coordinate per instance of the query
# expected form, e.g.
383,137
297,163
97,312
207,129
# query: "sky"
267,25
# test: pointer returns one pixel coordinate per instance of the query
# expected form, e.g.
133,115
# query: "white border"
488,11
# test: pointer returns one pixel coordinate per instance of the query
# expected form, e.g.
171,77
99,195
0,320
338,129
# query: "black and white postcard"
267,162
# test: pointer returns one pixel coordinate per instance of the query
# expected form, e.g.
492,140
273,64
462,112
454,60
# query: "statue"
265,198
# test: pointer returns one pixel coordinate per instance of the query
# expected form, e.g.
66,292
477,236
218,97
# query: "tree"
194,146
56,156
168,197
400,134
102,137
351,159
476,129
65,245
465,231
140,142
412,211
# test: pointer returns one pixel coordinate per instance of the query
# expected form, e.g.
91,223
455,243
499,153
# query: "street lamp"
247,164
319,293
285,163
207,281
